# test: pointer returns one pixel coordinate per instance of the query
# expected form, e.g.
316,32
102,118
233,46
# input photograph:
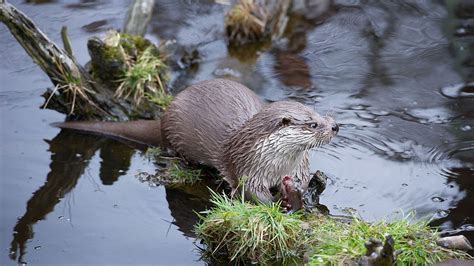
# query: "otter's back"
203,116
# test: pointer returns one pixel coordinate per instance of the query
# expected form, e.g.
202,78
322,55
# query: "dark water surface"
395,75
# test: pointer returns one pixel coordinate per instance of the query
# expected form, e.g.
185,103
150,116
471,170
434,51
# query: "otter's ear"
285,121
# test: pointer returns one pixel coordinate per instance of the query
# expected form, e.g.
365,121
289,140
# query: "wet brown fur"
223,124
203,116
142,131
219,122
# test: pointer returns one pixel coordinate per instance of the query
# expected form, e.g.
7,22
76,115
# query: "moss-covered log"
128,78
52,59
75,93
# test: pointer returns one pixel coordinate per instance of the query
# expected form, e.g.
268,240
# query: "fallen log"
75,93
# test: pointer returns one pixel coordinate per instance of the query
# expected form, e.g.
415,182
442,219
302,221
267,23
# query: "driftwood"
52,59
138,17
76,93
89,100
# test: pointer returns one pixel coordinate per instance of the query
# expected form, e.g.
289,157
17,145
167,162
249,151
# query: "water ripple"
460,90
449,151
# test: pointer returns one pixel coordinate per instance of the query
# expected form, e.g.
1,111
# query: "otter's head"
293,126
296,129
273,144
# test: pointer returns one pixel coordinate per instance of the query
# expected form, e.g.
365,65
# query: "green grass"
173,174
246,22
161,98
335,242
178,174
153,152
71,86
144,77
248,232
245,232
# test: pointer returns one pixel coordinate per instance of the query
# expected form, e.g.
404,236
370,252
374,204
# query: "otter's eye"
313,125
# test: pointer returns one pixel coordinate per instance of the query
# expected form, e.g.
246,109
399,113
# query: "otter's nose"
335,128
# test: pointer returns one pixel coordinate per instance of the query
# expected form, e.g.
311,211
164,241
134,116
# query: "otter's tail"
142,131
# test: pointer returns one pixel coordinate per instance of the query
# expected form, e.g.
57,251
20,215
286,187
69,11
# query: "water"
397,76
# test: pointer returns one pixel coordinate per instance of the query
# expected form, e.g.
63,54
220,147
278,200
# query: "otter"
223,124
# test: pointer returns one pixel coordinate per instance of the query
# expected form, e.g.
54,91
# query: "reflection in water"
461,151
185,202
293,70
67,165
459,29
115,161
399,84
83,4
379,31
291,67
71,152
40,1
455,217
170,17
96,26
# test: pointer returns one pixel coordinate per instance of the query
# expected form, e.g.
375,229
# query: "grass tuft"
248,232
161,98
335,242
179,174
174,174
246,22
143,79
244,232
153,152
71,86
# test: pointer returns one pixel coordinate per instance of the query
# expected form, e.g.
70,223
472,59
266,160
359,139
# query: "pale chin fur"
280,153
319,140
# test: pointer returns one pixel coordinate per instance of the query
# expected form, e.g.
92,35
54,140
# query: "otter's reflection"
185,202
71,152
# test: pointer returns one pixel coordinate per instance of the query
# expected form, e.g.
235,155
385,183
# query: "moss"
135,41
175,173
241,231
132,62
108,58
153,152
146,76
112,53
160,99
179,174
334,242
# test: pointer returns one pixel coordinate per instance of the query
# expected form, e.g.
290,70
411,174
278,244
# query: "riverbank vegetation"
245,232
126,79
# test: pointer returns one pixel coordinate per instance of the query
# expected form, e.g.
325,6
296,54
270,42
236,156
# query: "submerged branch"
138,17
